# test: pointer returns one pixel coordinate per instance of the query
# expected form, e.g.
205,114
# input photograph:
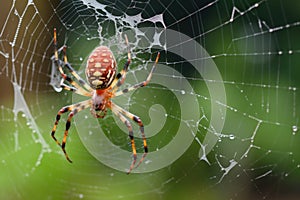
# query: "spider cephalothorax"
100,102
103,84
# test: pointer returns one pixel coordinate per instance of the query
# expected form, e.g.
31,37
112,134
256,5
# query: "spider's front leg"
74,109
82,89
141,84
120,78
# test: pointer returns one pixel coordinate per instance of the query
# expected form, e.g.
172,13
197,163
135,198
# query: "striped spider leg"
73,109
120,112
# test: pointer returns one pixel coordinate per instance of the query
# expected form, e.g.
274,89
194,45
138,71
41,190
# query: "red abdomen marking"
101,68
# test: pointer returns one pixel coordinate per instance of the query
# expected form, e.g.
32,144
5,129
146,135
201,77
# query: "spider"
102,86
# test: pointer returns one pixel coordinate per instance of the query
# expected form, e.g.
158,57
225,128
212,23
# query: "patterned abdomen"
101,68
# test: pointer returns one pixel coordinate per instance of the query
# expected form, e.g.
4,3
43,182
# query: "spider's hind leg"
130,134
120,112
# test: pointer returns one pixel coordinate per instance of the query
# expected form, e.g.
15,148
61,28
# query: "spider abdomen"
101,68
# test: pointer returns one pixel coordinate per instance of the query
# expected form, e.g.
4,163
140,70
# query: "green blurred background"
257,55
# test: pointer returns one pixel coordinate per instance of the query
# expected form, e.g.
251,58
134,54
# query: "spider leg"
128,124
59,63
72,89
120,112
74,109
74,73
60,112
67,87
76,87
120,78
141,84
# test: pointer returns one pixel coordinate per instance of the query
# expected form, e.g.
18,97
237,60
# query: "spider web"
221,112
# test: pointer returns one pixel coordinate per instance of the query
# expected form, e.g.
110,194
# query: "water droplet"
294,128
148,161
286,174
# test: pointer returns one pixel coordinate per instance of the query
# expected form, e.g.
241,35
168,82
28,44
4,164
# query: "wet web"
237,127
